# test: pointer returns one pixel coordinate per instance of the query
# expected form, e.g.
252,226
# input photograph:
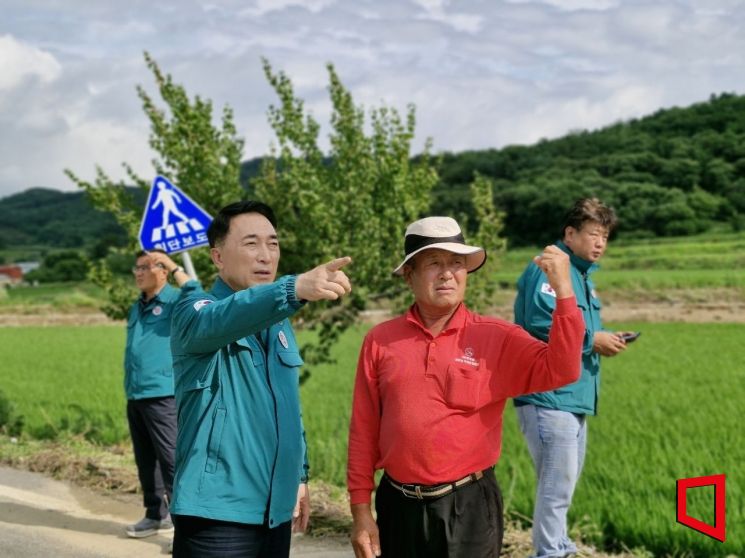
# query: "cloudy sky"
482,73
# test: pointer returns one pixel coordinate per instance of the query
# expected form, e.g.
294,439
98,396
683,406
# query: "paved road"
43,517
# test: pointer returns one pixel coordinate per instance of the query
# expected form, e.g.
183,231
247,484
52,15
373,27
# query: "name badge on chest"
283,339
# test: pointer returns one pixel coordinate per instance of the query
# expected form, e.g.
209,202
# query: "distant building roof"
13,272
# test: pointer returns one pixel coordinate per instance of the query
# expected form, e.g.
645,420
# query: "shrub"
11,423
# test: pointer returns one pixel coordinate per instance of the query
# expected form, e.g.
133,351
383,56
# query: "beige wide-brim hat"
443,233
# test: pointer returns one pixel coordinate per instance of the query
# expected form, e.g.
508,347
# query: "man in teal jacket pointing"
241,465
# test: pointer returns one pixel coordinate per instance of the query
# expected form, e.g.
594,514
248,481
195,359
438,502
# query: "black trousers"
466,523
197,537
152,425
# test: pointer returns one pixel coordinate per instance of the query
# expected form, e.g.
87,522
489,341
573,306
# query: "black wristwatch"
175,269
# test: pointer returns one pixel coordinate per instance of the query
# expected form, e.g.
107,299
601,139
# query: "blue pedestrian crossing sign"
172,221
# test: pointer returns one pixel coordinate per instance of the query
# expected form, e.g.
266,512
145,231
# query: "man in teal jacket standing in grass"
554,422
148,383
241,463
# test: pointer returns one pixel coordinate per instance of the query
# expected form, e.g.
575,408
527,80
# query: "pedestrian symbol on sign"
172,221
168,200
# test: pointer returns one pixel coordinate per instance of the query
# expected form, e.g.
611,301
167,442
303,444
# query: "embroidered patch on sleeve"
199,304
548,289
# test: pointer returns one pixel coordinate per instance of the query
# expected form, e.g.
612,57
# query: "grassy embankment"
711,261
80,297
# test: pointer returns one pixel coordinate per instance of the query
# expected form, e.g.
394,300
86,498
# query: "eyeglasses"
144,268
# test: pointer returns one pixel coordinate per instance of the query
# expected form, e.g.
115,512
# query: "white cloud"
573,5
262,7
436,10
20,61
552,118
482,74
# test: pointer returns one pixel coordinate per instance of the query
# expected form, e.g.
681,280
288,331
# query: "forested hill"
44,217
671,173
674,172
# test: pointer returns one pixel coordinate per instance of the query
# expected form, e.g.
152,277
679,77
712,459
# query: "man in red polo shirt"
430,389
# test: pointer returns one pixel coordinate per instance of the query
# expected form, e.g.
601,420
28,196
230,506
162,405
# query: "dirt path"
43,517
674,309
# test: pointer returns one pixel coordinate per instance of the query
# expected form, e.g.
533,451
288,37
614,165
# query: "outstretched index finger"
338,263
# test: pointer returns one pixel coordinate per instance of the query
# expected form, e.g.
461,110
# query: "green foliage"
120,292
73,385
100,249
488,225
55,220
62,297
65,265
672,173
11,423
356,201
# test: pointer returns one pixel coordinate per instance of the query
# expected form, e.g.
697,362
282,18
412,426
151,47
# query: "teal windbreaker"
534,306
240,452
148,368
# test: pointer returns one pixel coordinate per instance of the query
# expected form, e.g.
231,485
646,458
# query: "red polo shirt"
428,409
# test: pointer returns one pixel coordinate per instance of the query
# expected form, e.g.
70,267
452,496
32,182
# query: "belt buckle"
406,489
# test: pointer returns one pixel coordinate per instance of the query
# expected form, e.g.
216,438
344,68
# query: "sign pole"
188,266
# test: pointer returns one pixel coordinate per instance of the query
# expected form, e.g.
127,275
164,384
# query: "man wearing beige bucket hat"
429,395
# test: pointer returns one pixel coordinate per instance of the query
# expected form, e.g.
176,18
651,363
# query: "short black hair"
220,225
589,210
141,253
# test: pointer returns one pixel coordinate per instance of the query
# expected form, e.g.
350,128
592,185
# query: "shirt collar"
155,298
221,289
583,265
456,321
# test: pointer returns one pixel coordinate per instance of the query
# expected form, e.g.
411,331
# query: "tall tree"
202,159
356,200
488,225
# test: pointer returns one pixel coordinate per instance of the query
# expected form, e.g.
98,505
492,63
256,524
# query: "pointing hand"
324,282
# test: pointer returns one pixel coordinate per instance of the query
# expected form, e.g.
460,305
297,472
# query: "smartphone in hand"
629,337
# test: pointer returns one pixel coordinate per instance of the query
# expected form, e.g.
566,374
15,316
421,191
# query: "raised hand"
325,282
555,264
162,260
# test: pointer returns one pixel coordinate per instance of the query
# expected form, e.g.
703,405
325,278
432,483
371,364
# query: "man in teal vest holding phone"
554,422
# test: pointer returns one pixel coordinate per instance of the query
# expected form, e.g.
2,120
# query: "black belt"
422,491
